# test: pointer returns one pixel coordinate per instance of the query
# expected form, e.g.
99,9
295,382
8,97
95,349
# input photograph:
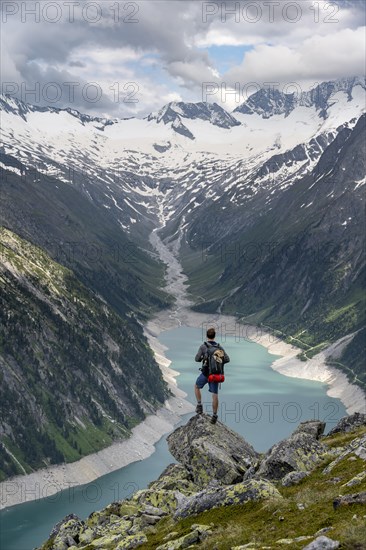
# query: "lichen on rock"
198,534
175,477
356,447
164,500
238,493
65,532
293,478
211,452
219,469
300,452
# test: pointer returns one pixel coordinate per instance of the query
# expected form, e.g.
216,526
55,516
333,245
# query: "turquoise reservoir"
257,402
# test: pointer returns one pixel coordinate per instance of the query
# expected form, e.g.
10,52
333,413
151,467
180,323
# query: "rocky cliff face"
296,259
223,495
204,111
75,374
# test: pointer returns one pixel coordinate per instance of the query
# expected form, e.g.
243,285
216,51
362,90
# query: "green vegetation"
295,290
261,522
75,374
292,512
77,234
298,270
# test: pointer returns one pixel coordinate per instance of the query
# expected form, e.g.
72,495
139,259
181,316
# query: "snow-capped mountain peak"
203,110
10,104
185,153
269,102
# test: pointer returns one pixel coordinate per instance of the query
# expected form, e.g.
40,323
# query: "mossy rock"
107,542
250,490
349,423
181,542
211,451
129,508
198,534
131,541
175,477
356,447
356,480
88,534
66,532
301,452
167,501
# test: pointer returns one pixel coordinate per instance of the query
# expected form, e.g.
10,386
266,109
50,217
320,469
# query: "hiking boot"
214,419
199,408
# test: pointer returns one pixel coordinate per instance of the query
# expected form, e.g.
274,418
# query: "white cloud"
285,23
320,57
173,34
192,73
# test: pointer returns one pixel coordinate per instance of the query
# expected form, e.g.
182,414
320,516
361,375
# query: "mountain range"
265,205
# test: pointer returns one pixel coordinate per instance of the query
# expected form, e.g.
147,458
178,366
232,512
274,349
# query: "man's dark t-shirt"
201,354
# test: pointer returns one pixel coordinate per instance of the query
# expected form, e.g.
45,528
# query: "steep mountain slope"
74,374
297,265
81,235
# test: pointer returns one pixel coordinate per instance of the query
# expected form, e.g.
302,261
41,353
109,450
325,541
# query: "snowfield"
150,158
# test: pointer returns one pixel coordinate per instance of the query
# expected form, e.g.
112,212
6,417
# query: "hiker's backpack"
215,362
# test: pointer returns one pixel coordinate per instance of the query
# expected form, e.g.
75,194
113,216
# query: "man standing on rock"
202,380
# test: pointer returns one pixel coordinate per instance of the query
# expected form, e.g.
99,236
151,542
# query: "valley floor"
141,444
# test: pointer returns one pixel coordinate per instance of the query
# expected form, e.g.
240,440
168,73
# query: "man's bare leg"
199,407
215,403
197,392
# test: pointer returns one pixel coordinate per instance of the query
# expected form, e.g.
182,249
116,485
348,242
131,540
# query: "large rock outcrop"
211,452
300,452
349,423
226,496
219,469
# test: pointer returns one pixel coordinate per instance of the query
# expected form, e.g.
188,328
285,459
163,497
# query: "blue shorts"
202,380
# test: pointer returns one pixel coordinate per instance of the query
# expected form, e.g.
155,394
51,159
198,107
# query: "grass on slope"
262,523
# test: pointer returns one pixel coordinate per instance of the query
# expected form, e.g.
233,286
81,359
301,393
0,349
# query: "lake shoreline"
49,481
140,445
316,369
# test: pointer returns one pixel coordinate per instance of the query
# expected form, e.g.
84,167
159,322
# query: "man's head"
211,333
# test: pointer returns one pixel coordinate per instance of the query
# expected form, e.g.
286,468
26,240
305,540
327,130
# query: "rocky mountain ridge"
212,112
224,495
268,102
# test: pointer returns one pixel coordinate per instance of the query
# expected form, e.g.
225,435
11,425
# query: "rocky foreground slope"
308,491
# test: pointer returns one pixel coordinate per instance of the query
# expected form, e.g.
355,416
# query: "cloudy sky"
121,59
